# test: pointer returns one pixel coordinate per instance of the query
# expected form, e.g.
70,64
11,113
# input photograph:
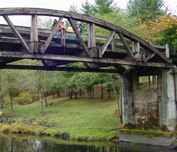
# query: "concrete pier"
167,100
128,100
150,106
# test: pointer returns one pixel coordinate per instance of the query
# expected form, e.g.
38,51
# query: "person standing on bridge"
79,28
54,22
61,28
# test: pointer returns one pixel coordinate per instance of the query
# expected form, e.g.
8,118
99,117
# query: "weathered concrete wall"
149,106
127,101
146,106
139,103
167,100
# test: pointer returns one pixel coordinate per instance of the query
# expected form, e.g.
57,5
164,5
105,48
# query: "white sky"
65,5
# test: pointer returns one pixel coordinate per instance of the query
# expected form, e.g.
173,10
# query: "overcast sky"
65,4
62,5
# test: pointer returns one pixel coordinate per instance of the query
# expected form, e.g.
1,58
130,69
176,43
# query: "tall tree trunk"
33,96
149,80
109,92
53,94
1,100
102,91
46,103
90,93
119,106
93,93
44,98
41,101
59,95
71,93
80,92
75,94
11,103
1,94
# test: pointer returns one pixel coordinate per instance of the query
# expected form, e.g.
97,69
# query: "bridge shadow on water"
32,144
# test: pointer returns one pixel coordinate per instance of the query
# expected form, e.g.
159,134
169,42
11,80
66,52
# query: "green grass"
148,133
82,118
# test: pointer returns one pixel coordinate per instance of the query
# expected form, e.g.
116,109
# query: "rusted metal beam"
108,61
16,32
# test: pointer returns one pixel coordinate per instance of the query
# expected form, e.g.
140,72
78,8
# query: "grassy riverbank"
82,119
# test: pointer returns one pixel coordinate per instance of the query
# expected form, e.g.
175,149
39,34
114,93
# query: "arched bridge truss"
117,52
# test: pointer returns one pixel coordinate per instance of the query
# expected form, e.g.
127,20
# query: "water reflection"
11,144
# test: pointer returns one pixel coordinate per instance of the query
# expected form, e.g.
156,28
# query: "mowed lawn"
81,118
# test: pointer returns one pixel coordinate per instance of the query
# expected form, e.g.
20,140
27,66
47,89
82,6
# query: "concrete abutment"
147,104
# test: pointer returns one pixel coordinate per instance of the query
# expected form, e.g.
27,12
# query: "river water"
35,144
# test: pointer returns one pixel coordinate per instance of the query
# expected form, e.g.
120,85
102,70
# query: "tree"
41,77
146,9
89,80
73,8
161,31
74,84
56,83
88,9
13,81
115,84
104,6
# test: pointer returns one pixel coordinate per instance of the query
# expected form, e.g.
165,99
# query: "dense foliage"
161,31
146,9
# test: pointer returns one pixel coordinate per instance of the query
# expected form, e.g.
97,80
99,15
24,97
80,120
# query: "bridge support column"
128,84
167,103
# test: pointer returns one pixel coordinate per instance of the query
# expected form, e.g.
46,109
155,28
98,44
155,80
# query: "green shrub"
24,98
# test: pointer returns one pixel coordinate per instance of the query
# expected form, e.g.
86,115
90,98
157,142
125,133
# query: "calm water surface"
32,144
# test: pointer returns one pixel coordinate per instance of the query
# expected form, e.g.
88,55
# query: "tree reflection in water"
9,144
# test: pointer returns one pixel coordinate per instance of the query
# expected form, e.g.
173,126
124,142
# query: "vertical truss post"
133,47
91,35
138,53
92,40
113,45
167,51
34,34
137,47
